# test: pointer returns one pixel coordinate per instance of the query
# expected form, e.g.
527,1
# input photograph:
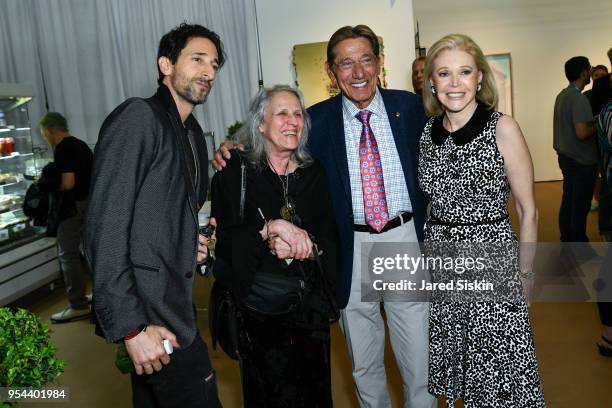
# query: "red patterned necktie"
374,197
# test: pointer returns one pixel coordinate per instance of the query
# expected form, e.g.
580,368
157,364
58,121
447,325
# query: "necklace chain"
287,211
285,185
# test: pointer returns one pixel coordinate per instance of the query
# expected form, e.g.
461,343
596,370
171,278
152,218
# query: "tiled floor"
573,373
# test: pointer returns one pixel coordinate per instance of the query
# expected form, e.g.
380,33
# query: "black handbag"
275,294
226,323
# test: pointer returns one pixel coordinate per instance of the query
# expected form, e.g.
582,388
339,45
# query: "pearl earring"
433,90
479,87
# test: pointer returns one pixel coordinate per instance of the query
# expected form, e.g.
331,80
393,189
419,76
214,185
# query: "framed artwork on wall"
311,77
501,65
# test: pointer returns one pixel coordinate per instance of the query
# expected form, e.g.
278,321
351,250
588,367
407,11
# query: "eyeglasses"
348,64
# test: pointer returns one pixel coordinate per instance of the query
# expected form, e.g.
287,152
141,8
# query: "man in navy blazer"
396,121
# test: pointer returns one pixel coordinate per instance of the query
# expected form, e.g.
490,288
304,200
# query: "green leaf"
27,356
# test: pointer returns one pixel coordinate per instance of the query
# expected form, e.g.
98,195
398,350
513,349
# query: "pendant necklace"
450,125
287,211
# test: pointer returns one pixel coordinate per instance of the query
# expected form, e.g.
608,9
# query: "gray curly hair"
254,141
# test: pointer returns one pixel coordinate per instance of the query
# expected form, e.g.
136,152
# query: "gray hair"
254,141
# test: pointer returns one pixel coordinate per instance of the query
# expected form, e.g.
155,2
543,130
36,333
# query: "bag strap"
328,294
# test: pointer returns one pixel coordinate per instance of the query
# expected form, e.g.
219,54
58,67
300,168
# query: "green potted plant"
233,129
27,357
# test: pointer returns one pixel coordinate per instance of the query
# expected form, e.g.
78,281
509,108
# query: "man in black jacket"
149,181
72,162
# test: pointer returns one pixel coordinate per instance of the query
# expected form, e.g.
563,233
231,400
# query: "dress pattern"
482,352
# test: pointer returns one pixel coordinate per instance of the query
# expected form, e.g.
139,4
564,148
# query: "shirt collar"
377,107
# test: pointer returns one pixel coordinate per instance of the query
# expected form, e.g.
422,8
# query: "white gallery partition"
91,55
283,24
540,36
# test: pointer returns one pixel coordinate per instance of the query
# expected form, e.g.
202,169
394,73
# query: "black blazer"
327,144
141,227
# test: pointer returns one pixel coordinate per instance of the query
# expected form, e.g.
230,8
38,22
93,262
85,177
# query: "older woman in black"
286,208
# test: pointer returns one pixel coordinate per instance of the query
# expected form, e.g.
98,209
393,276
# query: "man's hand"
223,153
203,242
147,349
300,245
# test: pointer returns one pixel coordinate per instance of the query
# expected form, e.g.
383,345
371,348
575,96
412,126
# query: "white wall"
541,35
285,23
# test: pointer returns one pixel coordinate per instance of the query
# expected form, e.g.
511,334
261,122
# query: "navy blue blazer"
327,144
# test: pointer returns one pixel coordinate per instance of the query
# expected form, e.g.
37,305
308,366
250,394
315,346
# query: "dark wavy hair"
576,66
173,42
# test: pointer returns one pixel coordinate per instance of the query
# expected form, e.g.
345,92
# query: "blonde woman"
471,158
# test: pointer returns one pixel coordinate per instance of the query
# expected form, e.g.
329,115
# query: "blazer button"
189,275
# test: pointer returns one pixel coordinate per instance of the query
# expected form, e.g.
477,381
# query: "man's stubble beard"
188,91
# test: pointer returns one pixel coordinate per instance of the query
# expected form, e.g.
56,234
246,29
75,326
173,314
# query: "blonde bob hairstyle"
488,91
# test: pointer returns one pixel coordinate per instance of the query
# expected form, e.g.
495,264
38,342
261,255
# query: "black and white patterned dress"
482,352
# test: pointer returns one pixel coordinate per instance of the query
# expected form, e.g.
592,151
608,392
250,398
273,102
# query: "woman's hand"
289,241
280,248
527,282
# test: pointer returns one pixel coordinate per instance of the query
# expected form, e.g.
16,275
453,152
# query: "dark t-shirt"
74,156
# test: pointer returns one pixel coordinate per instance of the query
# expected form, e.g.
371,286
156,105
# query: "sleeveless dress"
482,351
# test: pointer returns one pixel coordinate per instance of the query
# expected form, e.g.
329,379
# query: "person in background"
604,136
418,78
286,209
601,90
150,179
598,71
471,158
389,123
573,140
73,160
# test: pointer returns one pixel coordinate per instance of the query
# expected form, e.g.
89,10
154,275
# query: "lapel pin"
397,114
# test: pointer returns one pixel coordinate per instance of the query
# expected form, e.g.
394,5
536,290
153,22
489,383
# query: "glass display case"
28,259
19,165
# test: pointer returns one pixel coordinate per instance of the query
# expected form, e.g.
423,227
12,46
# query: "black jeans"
189,381
578,184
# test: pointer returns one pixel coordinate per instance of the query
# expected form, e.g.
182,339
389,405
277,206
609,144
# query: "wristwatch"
133,333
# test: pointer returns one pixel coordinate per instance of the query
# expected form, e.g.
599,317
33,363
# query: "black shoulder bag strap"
328,294
242,187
